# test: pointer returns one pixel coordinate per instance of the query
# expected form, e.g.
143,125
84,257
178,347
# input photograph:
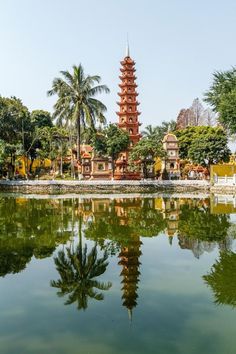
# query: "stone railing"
224,180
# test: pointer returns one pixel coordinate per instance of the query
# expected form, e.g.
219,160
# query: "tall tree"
150,131
41,118
158,132
76,100
209,149
222,97
203,143
15,128
197,112
195,115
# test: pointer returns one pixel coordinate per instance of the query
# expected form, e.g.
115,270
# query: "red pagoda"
128,116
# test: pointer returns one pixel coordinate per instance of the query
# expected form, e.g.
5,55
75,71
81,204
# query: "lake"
117,274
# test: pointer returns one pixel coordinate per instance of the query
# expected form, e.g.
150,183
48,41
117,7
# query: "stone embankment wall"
61,186
223,189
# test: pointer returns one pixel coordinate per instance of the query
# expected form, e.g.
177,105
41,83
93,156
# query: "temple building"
128,116
170,163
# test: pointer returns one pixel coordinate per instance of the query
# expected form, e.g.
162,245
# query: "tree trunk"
145,170
113,167
78,139
61,162
72,156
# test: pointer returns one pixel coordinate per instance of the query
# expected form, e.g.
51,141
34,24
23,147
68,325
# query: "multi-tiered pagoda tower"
128,115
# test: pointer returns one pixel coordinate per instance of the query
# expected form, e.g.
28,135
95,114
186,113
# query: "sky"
176,44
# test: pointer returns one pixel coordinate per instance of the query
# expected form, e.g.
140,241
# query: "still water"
117,275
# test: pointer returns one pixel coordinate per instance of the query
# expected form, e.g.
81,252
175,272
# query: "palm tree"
150,132
78,272
159,131
76,100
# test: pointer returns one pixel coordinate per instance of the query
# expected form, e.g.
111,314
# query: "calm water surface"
102,276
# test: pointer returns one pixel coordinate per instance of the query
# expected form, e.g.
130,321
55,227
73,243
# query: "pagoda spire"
127,53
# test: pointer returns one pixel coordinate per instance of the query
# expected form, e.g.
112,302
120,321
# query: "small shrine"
171,163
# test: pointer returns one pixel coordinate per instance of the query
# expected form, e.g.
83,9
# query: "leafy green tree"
111,142
146,150
40,119
15,128
204,145
14,120
222,97
76,100
52,144
78,272
209,149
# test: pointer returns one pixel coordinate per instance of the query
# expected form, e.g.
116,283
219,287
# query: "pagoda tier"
126,102
127,84
131,93
128,62
130,124
126,68
127,75
136,113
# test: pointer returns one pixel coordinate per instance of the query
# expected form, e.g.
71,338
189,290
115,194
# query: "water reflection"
201,231
129,260
78,272
222,279
30,227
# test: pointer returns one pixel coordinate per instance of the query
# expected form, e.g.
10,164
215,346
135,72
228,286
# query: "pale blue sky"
176,44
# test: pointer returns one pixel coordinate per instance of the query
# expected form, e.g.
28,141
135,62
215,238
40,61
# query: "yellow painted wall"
21,165
223,170
222,208
157,164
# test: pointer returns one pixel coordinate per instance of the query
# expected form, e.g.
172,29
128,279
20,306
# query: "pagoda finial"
127,54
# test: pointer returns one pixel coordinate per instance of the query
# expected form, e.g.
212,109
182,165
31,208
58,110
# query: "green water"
102,276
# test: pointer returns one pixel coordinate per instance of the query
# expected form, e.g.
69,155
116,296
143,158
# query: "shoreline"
94,187
110,189
52,187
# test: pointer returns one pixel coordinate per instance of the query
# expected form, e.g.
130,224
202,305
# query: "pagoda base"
101,176
127,176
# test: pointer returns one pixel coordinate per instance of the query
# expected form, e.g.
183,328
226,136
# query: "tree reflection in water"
222,279
31,227
201,231
78,271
